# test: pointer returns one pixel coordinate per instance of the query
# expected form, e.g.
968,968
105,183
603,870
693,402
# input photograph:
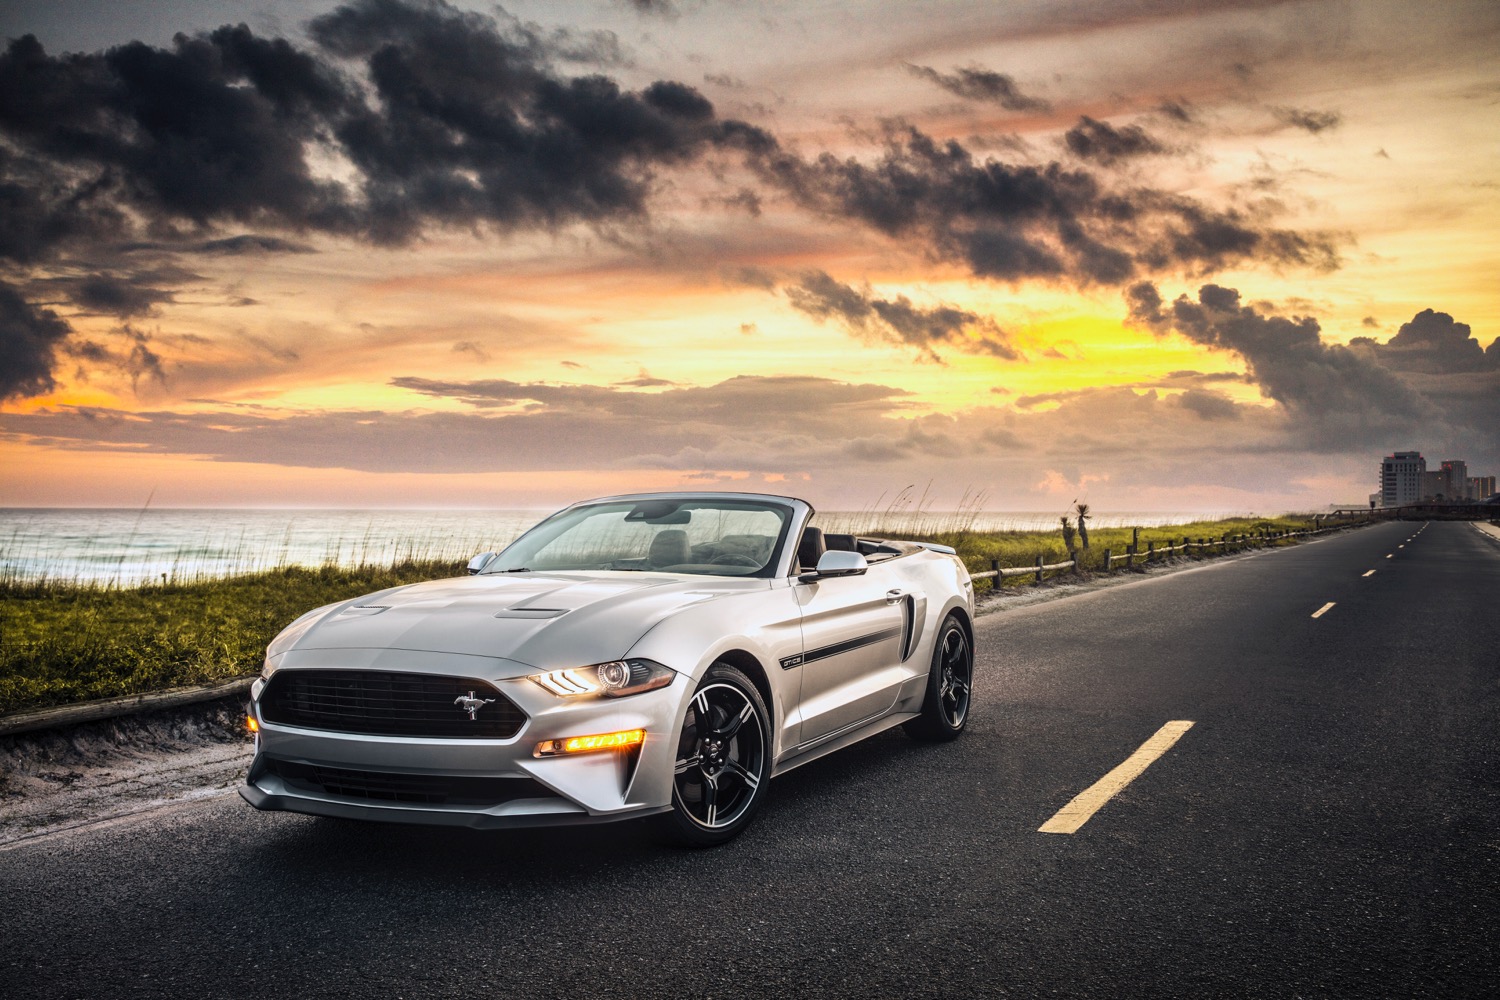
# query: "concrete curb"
110,708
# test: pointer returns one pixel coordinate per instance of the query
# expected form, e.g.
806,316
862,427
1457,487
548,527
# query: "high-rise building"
1455,479
1481,487
1401,476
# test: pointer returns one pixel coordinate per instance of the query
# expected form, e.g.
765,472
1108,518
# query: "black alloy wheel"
950,683
723,761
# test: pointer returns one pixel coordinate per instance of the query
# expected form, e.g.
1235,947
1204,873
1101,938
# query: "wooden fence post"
997,580
1150,552
1038,571
1109,566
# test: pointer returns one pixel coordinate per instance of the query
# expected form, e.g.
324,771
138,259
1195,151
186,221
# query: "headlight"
267,669
611,680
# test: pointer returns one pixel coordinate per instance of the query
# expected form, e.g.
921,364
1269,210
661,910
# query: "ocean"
128,547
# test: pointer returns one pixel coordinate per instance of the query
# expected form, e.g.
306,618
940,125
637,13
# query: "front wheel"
945,710
722,764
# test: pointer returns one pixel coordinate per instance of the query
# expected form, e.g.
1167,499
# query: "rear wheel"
722,764
945,710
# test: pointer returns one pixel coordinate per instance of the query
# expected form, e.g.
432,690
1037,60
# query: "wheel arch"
957,609
749,665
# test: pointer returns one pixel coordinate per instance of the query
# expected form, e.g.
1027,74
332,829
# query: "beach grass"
983,550
69,641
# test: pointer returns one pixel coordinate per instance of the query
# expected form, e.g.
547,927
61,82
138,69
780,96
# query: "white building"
1401,477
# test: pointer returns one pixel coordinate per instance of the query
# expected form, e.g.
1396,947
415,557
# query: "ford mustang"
658,655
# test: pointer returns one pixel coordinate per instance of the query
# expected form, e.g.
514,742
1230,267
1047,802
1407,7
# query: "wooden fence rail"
1129,557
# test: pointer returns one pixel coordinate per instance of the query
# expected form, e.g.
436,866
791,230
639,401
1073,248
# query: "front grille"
423,789
383,703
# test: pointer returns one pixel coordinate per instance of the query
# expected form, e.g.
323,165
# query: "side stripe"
842,647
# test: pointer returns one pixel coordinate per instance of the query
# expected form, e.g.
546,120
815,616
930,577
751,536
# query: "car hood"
544,620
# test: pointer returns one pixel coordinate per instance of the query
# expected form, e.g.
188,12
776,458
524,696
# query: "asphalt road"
1329,826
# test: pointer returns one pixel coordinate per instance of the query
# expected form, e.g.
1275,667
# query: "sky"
1147,254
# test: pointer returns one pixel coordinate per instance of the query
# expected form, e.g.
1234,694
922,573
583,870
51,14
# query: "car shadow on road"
859,794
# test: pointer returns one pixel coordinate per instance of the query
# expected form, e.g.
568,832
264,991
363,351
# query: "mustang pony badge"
471,704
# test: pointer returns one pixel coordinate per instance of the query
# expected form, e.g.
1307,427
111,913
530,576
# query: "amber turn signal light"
583,744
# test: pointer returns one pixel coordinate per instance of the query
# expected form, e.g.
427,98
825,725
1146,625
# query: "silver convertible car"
659,655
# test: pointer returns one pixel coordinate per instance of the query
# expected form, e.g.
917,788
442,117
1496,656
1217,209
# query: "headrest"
669,548
811,548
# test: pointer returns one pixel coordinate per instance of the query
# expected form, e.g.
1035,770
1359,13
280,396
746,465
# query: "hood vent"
531,612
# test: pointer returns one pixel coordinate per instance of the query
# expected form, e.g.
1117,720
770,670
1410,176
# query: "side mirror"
479,562
836,563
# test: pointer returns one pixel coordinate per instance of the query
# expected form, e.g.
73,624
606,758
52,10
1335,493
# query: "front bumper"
482,784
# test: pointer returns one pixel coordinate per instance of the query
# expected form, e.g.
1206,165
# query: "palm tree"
1083,522
1067,533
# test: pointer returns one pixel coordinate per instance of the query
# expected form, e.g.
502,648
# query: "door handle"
892,596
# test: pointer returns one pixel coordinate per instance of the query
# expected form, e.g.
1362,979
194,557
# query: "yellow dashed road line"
1089,801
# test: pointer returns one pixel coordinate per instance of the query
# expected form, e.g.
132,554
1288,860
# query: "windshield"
704,536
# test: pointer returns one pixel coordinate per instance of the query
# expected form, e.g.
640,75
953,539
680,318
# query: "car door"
853,632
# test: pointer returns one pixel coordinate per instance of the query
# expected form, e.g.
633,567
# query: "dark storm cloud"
1103,143
1430,382
1209,405
45,203
1286,356
1022,221
898,320
449,117
250,243
29,338
113,296
1307,119
1433,343
131,355
472,125
977,84
210,130
1179,110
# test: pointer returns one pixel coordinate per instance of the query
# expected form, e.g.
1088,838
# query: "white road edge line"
1323,610
1370,573
1089,801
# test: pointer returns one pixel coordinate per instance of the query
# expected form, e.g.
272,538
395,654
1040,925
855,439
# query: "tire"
950,683
723,762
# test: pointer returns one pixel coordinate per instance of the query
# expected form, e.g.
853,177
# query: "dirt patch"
58,778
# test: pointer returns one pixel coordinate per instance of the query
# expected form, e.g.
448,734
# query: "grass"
981,550
63,642
67,642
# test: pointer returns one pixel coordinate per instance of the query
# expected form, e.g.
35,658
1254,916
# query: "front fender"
766,624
